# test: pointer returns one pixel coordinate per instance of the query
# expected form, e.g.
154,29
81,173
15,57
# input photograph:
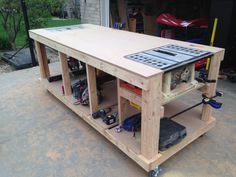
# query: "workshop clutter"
77,67
80,92
174,28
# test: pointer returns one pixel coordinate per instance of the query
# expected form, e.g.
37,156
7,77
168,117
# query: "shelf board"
191,120
131,96
126,139
186,88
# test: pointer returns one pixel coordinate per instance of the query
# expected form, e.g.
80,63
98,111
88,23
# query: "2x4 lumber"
122,104
133,97
192,71
211,88
151,114
42,60
92,88
65,74
122,109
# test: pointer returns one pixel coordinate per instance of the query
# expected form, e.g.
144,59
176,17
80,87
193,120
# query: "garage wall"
90,11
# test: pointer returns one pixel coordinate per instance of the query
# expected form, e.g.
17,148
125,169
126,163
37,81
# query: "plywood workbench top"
107,44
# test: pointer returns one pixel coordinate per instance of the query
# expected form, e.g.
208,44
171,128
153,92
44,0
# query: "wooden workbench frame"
152,104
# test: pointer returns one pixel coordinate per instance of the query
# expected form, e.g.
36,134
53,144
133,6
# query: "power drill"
110,119
101,113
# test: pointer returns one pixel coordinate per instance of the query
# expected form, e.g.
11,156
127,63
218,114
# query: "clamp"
206,100
212,103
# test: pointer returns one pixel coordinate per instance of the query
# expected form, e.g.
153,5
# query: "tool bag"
171,133
131,124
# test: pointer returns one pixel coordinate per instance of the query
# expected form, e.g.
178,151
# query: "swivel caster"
155,172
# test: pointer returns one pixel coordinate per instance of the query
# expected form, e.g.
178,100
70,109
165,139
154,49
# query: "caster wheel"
155,172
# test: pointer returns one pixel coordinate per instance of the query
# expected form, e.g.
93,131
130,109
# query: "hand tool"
212,40
205,100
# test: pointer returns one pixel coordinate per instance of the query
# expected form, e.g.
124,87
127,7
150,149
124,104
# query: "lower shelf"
125,141
191,120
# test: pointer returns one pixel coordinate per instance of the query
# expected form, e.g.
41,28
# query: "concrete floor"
40,137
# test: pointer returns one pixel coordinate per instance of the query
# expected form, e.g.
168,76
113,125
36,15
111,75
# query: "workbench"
105,49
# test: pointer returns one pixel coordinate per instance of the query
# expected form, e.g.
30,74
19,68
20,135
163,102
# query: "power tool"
101,113
110,119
